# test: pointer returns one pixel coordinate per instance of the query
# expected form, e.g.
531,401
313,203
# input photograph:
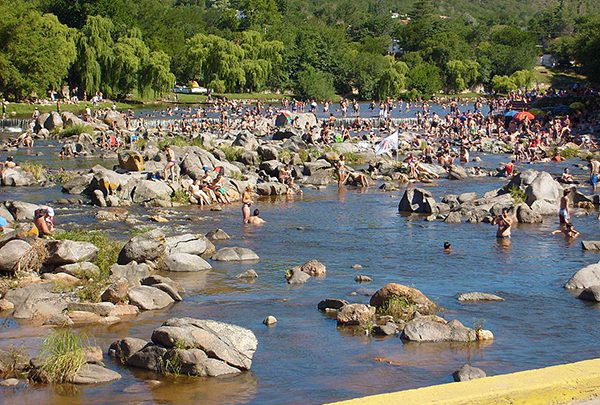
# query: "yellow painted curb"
551,385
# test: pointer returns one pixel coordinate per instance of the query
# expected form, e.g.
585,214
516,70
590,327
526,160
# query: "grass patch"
569,153
180,196
232,153
108,254
62,355
75,130
353,158
63,176
517,194
180,142
400,308
139,231
306,155
12,362
36,169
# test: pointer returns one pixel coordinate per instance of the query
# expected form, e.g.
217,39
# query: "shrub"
232,153
62,355
36,169
517,194
180,196
62,177
76,130
569,153
400,308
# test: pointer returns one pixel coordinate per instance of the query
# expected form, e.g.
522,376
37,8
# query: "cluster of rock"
301,274
541,191
133,284
413,316
190,346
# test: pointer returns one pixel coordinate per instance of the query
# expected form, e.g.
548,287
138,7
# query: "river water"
305,358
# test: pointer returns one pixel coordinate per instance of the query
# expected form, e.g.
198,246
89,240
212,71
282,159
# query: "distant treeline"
316,49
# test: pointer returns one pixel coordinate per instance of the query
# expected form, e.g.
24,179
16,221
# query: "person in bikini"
246,203
171,163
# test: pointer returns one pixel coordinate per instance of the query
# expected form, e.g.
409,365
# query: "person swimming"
504,222
255,219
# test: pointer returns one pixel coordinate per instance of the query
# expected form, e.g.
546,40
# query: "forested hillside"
312,48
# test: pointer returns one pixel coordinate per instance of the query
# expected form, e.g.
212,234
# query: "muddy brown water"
305,358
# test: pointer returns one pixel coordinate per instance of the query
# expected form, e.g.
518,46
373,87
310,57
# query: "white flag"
387,144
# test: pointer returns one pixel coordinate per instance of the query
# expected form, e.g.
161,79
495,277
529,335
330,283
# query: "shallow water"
305,358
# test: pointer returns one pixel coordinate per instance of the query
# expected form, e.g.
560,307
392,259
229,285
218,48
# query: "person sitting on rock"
197,192
8,164
566,177
3,224
255,219
44,221
218,186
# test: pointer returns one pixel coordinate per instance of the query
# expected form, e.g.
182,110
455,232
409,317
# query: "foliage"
315,84
35,168
180,196
62,355
108,248
232,153
517,194
425,79
75,130
400,308
569,153
63,176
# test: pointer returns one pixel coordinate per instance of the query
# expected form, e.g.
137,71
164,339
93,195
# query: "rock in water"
467,373
248,275
149,298
423,304
590,245
123,349
185,262
355,314
314,268
296,276
590,294
429,329
234,254
587,277
146,247
417,200
478,296
270,320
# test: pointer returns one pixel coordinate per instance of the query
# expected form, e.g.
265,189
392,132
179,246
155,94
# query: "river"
305,358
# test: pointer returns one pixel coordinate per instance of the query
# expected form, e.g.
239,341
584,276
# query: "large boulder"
234,254
231,344
195,362
457,173
67,251
586,277
78,184
132,272
428,329
267,152
185,262
246,140
314,268
148,298
145,247
310,168
187,243
17,177
36,301
11,253
417,200
538,186
53,122
412,296
114,118
123,349
320,178
147,190
21,211
355,315
526,215
150,357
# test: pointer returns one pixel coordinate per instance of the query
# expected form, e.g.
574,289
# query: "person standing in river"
563,212
504,222
246,203
594,167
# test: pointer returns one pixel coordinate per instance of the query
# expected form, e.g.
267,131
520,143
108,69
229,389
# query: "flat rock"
427,329
185,262
67,251
173,293
84,317
11,253
187,243
78,269
234,254
149,298
132,272
94,374
98,308
590,245
478,296
36,301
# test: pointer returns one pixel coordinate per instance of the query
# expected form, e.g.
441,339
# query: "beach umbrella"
510,113
283,119
524,114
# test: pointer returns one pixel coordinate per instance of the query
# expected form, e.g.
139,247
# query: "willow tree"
156,74
393,79
130,56
94,54
260,57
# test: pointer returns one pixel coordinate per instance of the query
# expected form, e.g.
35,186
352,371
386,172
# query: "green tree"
503,84
425,78
35,51
461,74
131,55
156,74
587,48
393,79
315,84
508,50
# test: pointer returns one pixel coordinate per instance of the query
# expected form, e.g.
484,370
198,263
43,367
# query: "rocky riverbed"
369,244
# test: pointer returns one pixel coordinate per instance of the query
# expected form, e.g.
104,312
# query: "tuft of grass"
569,153
517,194
74,130
108,253
232,153
62,355
180,196
140,230
353,158
170,364
36,169
180,141
400,308
12,361
63,176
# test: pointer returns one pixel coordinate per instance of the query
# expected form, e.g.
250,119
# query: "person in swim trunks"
594,167
563,212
